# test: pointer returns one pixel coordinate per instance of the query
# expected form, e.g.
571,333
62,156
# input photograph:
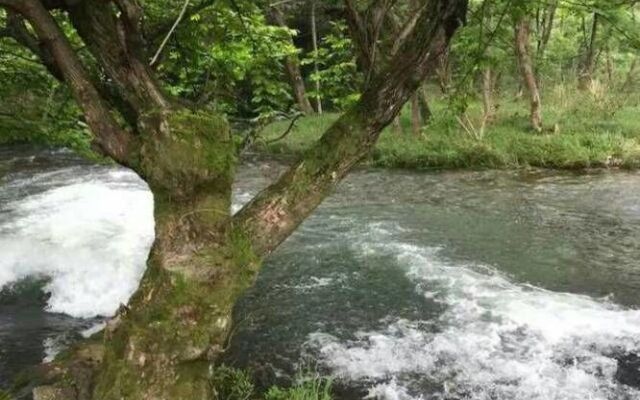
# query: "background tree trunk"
292,68
425,109
416,119
631,74
488,88
314,38
544,35
589,61
526,69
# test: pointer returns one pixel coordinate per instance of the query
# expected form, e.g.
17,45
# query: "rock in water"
629,370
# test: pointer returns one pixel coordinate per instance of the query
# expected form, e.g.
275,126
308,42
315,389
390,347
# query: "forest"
190,95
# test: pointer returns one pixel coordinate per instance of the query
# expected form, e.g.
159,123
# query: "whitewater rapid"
86,229
496,339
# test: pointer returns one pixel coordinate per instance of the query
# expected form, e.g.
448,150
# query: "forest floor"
582,130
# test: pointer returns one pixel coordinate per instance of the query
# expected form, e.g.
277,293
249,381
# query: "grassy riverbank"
581,131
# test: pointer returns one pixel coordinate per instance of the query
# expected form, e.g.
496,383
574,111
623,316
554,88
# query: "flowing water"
465,285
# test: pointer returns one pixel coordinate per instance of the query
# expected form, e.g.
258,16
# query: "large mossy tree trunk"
163,344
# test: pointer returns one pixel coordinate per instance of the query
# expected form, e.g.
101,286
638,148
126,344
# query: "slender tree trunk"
588,65
631,75
292,67
443,71
425,109
547,28
397,126
416,119
527,72
610,68
488,88
314,37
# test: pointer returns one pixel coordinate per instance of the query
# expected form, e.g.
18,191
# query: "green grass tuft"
314,388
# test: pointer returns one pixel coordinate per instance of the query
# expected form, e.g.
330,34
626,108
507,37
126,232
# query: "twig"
173,28
289,129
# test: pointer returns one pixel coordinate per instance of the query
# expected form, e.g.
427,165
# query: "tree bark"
526,69
110,138
292,68
115,42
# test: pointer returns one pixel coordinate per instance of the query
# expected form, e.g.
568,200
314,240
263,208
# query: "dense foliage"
231,55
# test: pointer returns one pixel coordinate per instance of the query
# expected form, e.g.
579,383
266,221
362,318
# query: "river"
402,285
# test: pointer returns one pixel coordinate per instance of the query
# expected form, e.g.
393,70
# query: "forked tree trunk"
163,345
547,24
292,68
526,69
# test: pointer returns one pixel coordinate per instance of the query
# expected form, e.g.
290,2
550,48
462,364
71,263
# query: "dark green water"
465,285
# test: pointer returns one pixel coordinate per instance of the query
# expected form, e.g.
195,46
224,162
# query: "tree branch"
276,212
109,137
17,30
173,28
161,28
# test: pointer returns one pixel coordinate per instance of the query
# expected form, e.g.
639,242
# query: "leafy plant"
309,388
231,384
338,74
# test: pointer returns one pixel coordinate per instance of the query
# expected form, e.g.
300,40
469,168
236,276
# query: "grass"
235,384
582,130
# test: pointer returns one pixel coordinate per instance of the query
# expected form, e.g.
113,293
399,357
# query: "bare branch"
173,28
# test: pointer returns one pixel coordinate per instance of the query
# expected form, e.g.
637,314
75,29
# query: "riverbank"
578,134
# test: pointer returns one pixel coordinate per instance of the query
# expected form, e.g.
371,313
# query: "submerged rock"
629,370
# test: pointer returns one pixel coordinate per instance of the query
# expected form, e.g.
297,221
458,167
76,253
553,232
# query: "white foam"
496,339
91,237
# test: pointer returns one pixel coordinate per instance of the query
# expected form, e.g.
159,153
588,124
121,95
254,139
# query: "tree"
589,59
163,343
292,65
523,52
